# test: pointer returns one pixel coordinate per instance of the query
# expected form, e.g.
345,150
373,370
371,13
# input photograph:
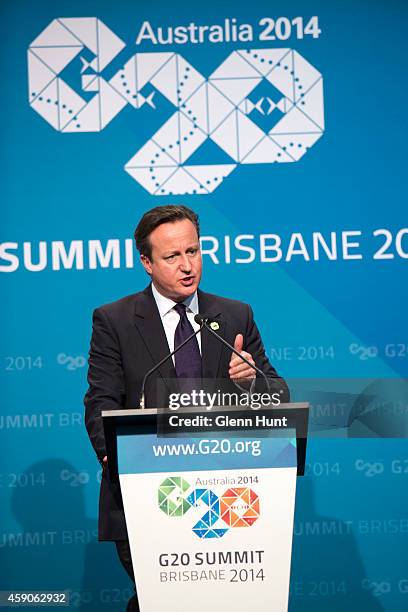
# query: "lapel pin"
214,325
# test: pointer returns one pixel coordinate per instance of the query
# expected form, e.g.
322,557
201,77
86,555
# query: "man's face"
175,266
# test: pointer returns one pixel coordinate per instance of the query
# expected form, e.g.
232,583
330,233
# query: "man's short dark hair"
157,216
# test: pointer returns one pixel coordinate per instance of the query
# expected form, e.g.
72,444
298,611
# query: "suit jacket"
128,339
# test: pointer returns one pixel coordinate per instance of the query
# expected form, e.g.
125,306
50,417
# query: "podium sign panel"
210,520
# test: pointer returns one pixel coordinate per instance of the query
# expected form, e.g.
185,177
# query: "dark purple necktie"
188,359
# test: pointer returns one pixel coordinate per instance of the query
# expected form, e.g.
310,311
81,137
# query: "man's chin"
187,290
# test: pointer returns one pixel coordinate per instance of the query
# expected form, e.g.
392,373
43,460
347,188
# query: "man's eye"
170,257
192,251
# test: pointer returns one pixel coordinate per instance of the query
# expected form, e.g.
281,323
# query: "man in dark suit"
133,334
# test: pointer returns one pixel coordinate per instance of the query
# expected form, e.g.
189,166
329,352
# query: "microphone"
201,319
154,368
205,320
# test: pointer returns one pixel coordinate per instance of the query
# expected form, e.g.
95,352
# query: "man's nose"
185,263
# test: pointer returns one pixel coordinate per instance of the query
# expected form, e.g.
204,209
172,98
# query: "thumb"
239,342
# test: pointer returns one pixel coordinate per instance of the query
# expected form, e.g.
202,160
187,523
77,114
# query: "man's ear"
146,264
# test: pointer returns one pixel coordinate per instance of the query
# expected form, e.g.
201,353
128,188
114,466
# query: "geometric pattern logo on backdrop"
260,106
236,507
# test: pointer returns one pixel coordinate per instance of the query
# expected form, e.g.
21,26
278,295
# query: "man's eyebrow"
195,245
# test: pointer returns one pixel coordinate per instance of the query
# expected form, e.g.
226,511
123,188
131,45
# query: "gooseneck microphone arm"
157,366
205,321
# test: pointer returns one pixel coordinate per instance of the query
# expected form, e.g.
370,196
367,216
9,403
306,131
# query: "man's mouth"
187,280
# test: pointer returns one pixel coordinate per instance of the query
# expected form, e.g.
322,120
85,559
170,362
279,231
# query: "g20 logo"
236,507
260,106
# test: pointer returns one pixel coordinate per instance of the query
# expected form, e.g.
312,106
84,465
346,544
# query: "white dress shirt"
170,318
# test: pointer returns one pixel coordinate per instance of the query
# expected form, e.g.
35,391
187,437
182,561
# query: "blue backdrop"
282,124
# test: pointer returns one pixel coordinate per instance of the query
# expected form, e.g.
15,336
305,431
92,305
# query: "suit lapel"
211,348
150,326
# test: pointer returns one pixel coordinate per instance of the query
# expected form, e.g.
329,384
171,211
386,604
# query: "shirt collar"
165,304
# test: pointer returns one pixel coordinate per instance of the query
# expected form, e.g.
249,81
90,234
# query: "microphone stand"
205,324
